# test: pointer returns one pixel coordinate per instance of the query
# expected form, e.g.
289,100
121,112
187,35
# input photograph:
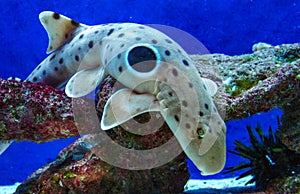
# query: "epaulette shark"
157,74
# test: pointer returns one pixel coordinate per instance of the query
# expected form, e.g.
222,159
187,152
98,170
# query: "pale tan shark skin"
81,56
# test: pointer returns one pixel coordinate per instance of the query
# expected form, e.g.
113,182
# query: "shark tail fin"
4,145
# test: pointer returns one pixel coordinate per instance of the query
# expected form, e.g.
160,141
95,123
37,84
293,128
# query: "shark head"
157,75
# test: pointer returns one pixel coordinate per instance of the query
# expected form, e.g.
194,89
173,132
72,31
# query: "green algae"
239,86
2,127
290,55
69,175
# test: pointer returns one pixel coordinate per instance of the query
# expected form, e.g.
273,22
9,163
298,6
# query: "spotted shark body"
157,73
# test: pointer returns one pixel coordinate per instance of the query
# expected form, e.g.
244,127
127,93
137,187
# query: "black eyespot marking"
154,41
119,56
120,69
138,38
142,59
201,114
55,68
175,72
61,60
168,41
76,57
121,35
91,44
176,118
185,62
34,79
167,52
56,16
110,32
170,94
81,36
206,106
44,72
74,23
184,103
191,85
187,125
52,57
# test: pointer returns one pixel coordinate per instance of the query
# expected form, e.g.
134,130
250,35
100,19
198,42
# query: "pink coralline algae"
34,112
248,84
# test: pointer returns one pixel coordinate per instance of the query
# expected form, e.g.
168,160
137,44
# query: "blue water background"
229,27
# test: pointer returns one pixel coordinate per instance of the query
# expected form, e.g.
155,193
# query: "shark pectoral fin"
60,29
211,86
124,105
84,82
4,145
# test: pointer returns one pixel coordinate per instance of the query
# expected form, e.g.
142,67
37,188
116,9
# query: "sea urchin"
268,158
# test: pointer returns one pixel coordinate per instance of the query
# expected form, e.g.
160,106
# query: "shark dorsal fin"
60,29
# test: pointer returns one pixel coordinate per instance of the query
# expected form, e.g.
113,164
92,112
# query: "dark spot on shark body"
110,32
184,103
175,72
74,23
52,57
176,118
56,16
167,52
206,106
121,35
168,41
91,44
187,125
61,60
154,41
120,69
185,62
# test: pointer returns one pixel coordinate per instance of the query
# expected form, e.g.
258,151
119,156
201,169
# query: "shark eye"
142,58
200,132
